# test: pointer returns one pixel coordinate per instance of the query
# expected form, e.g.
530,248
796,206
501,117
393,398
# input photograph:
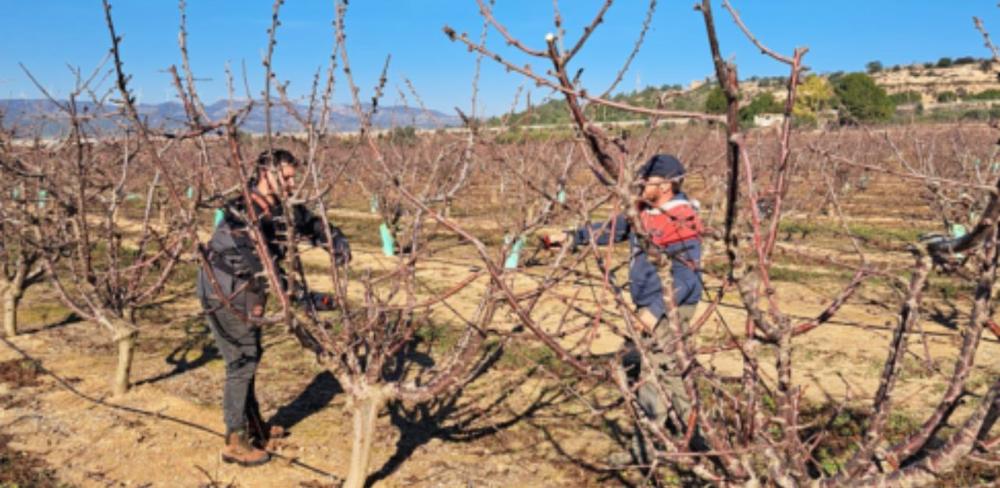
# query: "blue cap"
662,165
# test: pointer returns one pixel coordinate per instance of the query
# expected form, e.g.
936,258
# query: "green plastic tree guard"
388,243
958,231
515,253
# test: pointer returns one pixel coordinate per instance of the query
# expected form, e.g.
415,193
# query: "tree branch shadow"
145,413
197,336
69,319
618,435
316,395
945,318
457,418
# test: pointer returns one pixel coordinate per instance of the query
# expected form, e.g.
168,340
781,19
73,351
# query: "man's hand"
341,250
552,241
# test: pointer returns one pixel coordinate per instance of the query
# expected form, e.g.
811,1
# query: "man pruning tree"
237,271
671,222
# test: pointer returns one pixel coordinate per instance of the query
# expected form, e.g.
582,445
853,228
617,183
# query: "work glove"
322,302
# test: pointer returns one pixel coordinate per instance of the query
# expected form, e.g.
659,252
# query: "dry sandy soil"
514,426
507,429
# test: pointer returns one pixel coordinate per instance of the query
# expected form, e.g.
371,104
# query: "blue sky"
46,35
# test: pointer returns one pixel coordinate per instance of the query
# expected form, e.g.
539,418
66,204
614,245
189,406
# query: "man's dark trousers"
239,342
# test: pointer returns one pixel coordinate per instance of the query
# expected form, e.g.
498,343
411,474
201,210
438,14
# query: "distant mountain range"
31,117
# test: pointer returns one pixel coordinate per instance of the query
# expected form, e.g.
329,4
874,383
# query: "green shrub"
716,102
947,97
902,98
861,99
763,103
990,94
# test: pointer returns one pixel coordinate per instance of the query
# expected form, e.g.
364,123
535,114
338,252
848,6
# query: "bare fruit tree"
21,265
101,249
371,340
734,434
126,205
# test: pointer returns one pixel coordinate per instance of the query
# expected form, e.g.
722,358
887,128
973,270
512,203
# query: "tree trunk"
365,413
125,336
10,300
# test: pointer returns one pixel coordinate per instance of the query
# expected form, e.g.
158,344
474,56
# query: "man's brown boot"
239,450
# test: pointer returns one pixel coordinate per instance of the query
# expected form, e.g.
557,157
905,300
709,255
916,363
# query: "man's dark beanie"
662,165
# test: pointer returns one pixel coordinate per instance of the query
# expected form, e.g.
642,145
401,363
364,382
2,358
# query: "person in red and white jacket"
671,222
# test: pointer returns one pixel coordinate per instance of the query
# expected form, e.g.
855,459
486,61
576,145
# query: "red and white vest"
675,221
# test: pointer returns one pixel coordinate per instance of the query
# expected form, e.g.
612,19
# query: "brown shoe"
239,450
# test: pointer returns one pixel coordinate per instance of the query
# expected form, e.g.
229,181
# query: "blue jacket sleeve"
645,285
310,225
616,229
